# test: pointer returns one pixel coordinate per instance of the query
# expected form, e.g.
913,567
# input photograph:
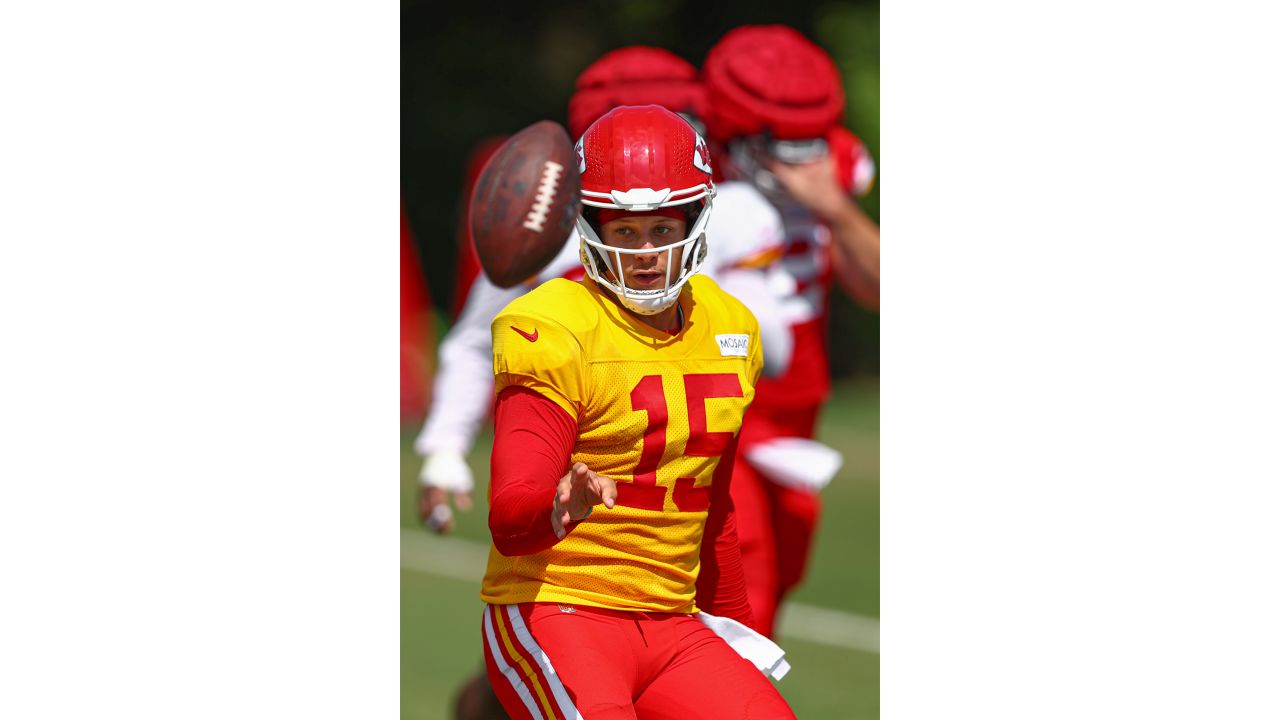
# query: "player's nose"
652,241
651,244
647,261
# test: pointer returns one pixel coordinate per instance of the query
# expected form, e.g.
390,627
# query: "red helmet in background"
774,95
771,80
636,75
644,159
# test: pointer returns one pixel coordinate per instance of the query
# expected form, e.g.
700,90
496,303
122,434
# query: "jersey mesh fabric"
655,412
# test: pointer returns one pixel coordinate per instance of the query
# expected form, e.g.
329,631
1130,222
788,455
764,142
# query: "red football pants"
776,524
547,660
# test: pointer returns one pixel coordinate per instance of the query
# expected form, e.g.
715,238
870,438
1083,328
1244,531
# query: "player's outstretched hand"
443,472
579,490
814,185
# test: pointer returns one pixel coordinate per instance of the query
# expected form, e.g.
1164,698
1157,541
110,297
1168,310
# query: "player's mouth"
648,279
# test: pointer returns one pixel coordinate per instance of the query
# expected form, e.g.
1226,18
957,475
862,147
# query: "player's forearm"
519,521
857,249
461,395
533,440
463,388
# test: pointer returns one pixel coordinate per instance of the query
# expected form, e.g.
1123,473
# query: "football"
524,204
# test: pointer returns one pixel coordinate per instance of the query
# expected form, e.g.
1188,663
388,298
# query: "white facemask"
595,256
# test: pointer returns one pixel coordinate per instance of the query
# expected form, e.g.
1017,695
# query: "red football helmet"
636,75
771,80
773,95
641,159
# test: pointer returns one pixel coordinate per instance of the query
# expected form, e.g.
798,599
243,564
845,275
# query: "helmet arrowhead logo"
582,160
701,158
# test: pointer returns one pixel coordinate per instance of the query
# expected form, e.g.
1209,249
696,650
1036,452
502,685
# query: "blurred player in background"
599,591
775,101
744,240
417,342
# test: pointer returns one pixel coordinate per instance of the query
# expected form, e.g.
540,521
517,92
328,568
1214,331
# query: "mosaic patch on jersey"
735,344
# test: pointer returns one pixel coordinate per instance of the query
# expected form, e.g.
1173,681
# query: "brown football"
524,204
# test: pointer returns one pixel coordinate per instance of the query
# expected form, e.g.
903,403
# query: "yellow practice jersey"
655,412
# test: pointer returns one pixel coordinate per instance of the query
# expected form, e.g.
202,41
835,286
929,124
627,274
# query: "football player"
746,239
742,244
620,397
775,100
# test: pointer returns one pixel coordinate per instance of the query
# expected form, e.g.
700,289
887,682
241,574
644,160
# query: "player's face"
644,271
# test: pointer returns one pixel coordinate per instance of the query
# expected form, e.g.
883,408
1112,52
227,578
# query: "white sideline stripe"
465,560
444,556
829,627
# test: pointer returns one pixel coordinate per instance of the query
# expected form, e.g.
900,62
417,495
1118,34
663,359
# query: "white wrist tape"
448,470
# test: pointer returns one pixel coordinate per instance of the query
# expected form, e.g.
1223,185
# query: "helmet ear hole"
592,216
604,263
692,211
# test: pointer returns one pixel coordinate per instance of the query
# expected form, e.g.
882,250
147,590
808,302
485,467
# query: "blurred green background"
477,70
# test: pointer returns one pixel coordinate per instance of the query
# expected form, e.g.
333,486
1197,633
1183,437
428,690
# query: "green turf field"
440,608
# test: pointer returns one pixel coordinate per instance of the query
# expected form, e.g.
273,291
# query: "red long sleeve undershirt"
722,586
532,445
532,449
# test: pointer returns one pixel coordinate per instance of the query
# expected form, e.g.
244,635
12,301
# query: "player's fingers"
556,525
787,176
609,491
595,487
463,500
564,490
581,477
603,489
441,519
434,510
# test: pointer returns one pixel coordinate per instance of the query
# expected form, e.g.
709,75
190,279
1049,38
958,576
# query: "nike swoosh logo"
525,335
